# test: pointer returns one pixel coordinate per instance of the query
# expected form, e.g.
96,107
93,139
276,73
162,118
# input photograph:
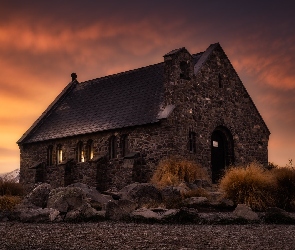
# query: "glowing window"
89,150
59,154
80,152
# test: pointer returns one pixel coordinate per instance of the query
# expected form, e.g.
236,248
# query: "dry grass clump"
7,203
285,192
251,185
10,188
173,171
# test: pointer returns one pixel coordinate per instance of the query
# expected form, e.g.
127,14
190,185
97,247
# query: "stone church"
112,131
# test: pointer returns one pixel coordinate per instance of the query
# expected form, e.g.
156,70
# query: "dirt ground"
119,235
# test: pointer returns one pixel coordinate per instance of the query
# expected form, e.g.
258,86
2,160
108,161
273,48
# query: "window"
124,145
89,150
113,147
80,152
59,154
49,155
192,142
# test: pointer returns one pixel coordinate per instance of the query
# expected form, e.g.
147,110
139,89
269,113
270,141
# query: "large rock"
278,216
38,215
120,210
65,199
145,214
39,195
144,194
97,200
245,212
36,199
170,193
195,202
84,213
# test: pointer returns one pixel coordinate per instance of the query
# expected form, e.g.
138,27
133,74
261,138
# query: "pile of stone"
138,202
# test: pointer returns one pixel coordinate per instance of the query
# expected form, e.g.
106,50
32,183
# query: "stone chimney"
74,76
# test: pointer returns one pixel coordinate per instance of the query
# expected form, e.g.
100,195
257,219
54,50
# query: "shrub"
10,188
285,193
251,185
173,171
7,203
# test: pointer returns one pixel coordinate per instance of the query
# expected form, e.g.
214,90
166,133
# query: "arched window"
124,145
59,154
49,155
80,152
113,147
89,150
192,142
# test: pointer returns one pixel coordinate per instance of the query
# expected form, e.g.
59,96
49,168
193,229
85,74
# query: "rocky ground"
120,235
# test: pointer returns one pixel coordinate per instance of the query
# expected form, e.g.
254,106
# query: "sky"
43,42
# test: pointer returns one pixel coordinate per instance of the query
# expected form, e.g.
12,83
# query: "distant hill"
11,176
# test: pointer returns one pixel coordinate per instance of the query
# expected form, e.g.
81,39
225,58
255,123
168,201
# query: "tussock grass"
8,203
285,182
10,188
251,185
173,171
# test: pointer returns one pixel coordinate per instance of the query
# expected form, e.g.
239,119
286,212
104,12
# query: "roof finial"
74,76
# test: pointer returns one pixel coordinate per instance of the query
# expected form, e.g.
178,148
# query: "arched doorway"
222,151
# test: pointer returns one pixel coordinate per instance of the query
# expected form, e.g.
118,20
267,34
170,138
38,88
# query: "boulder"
278,216
119,210
84,213
145,214
38,215
195,202
170,193
65,199
36,199
142,193
245,212
215,196
187,215
39,195
97,200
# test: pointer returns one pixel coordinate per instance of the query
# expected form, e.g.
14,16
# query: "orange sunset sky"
43,42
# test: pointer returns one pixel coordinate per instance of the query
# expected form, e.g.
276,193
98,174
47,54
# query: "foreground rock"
245,212
144,194
120,210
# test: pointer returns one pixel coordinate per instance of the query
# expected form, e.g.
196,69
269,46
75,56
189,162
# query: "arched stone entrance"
222,151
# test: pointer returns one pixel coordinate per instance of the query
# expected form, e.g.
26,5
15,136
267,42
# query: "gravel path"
117,235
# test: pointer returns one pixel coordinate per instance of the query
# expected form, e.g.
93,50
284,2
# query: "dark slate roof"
126,99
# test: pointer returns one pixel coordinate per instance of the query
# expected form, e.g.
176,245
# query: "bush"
173,171
251,185
7,203
10,188
285,193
